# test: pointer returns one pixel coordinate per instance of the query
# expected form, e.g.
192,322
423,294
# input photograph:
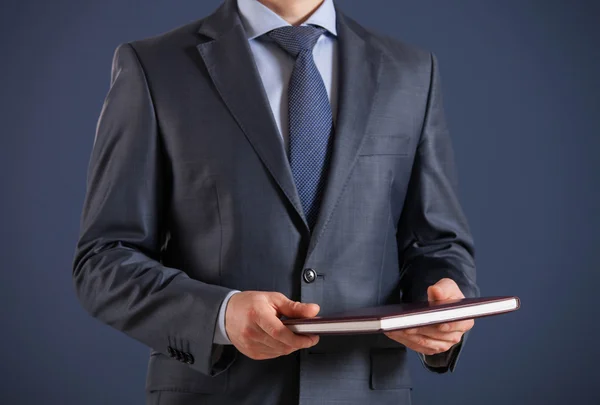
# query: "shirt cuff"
438,360
441,360
220,337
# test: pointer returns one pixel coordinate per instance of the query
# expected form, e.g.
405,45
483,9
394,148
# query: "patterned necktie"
310,119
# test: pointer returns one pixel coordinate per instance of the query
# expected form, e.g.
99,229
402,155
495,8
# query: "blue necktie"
310,118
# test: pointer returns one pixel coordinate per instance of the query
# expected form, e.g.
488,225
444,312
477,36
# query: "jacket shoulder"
176,38
396,50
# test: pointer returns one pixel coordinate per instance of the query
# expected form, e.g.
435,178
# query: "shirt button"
309,275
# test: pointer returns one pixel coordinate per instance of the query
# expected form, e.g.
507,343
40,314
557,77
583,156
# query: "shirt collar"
258,19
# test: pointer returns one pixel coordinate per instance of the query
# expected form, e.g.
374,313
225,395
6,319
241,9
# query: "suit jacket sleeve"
117,272
434,240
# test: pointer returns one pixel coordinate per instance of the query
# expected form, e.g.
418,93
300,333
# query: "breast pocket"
377,145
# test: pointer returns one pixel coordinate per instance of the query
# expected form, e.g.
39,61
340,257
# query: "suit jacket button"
189,359
309,275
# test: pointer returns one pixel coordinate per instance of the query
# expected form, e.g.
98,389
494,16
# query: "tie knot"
294,39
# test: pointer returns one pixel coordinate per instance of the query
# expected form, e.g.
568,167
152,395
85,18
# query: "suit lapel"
229,62
359,65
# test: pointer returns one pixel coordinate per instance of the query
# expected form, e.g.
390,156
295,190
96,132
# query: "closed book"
403,316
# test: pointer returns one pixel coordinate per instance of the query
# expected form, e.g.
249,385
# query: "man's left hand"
435,339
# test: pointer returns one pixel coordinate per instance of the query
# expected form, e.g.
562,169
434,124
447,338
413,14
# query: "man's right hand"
253,325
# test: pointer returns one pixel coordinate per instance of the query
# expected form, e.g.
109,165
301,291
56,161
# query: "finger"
423,349
458,326
401,337
255,335
450,337
274,328
444,289
435,293
293,309
421,341
411,331
261,351
436,345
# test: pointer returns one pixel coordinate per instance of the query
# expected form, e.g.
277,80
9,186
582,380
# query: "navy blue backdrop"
522,92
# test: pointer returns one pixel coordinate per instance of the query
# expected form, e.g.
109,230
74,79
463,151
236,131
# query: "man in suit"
274,158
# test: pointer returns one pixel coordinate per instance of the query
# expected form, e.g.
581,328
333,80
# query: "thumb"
295,309
436,293
445,289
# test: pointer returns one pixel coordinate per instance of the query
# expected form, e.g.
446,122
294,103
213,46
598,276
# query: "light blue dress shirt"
275,69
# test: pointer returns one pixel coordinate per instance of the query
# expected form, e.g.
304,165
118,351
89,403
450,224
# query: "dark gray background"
522,91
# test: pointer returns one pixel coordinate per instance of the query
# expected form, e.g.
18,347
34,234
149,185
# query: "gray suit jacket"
190,195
